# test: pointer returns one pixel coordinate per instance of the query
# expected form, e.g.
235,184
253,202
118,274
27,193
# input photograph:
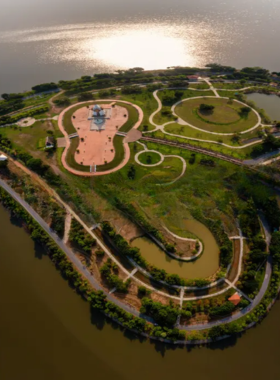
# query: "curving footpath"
83,270
194,257
126,146
162,157
182,122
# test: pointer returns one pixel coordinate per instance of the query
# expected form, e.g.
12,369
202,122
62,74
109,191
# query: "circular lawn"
227,116
149,158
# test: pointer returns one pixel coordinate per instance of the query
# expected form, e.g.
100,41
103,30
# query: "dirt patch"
234,268
156,297
183,248
131,297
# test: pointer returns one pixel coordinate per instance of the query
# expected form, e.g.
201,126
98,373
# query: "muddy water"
47,332
270,103
203,267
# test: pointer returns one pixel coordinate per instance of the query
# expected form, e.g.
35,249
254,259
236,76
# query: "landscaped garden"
181,202
149,158
226,116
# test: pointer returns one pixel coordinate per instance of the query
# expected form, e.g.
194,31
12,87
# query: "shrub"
206,107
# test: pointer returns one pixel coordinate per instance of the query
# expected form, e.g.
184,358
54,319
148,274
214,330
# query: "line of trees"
97,299
78,236
13,119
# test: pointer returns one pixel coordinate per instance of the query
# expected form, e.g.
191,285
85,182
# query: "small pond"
203,267
270,103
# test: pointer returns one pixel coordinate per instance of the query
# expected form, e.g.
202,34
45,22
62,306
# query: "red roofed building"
235,299
193,78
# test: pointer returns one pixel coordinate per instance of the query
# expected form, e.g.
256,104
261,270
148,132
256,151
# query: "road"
69,253
91,279
252,305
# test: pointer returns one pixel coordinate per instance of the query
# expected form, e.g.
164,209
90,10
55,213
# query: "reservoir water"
205,266
47,41
270,103
47,331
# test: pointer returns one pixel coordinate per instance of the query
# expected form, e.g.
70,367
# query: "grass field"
226,117
199,86
149,158
132,118
231,86
243,153
148,104
160,118
29,137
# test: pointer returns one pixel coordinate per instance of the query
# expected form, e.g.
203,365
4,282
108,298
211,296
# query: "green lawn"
147,103
185,130
199,86
226,117
160,118
29,138
132,117
149,158
231,86
237,153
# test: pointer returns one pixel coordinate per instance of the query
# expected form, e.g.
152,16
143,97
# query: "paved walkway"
182,122
192,258
212,88
126,146
67,227
84,271
160,162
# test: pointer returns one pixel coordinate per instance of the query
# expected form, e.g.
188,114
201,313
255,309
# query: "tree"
5,96
206,107
245,110
142,291
149,160
84,96
45,87
236,138
131,172
216,331
3,164
63,101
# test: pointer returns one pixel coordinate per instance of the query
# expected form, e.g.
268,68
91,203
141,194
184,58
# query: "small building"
3,158
49,142
235,299
98,116
193,78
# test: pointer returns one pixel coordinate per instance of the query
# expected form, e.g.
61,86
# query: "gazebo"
235,298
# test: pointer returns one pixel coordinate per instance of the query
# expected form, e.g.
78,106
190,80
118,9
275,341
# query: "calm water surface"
42,41
205,266
47,332
270,103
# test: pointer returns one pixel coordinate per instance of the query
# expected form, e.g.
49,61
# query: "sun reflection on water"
151,45
152,48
